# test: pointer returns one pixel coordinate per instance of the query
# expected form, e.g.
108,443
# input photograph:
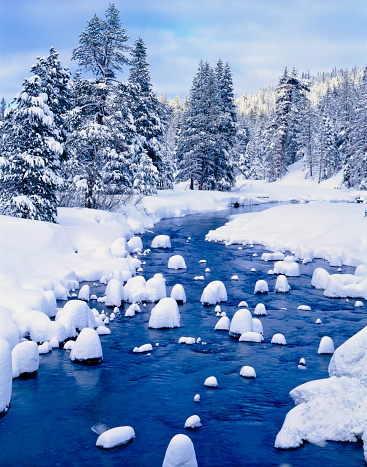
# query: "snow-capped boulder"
114,293
119,248
165,314
8,328
161,241
180,453
257,325
187,340
143,348
326,345
69,345
335,260
320,278
87,347
135,244
241,322
103,331
223,324
75,316
115,437
213,293
251,336
304,308
6,377
25,358
234,278
358,304
135,289
56,332
248,372
211,382
288,268
197,398
33,324
261,286
242,304
303,253
155,288
278,339
193,422
260,310
178,293
176,262
84,293
276,256
282,285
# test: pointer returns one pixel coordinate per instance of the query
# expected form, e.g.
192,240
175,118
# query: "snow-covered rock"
143,348
161,241
251,336
87,347
211,382
135,289
6,376
223,324
187,340
135,244
197,398
75,316
257,325
241,323
248,372
25,358
176,262
114,293
8,328
304,308
103,331
326,345
180,453
193,422
234,278
165,314
242,304
115,437
318,321
69,345
178,293
213,293
282,285
288,268
84,293
358,304
278,339
260,310
155,288
119,247
261,286
276,256
320,278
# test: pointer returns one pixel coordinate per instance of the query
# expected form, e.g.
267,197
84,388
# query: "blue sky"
257,37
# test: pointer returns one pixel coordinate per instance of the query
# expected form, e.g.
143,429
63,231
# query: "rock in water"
87,347
115,437
180,453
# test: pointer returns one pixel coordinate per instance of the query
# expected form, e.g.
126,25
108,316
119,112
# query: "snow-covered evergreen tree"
359,133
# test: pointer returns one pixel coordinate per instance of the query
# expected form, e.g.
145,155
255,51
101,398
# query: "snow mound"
135,244
277,256
165,314
114,293
248,372
180,453
193,422
211,382
260,310
84,293
304,308
187,340
119,248
251,336
241,323
155,288
326,345
282,285
320,278
288,268
257,325
178,293
358,304
8,328
213,293
223,324
103,331
176,262
278,339
75,316
115,437
25,358
243,304
161,241
234,278
261,286
143,348
6,377
87,347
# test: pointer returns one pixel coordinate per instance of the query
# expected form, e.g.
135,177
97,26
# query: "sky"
259,38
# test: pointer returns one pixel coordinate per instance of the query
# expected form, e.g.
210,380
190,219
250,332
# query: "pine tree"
31,156
359,133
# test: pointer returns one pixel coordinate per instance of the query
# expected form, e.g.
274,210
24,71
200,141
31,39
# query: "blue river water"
50,420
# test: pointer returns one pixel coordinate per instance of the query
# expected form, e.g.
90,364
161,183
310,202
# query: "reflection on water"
49,423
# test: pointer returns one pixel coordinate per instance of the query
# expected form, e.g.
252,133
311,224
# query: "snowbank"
25,358
6,376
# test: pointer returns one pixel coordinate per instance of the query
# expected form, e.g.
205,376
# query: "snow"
251,336
115,437
261,286
165,314
193,422
197,398
223,324
8,328
114,293
260,310
241,323
282,285
161,241
176,262
6,376
178,293
248,372
213,293
358,304
288,268
211,382
135,244
304,308
187,340
103,331
25,358
326,345
180,453
143,348
75,315
84,293
257,325
278,339
243,304
87,347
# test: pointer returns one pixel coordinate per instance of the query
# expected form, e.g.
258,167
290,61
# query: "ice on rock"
304,308
143,348
178,293
358,304
241,323
248,372
115,437
187,340
84,293
176,262
87,347
257,325
119,248
8,328
277,256
103,331
193,422
278,339
135,244
180,453
165,314
243,304
223,324
326,345
161,241
114,293
261,286
260,310
75,316
288,268
234,278
251,336
197,398
282,285
320,278
25,358
211,382
213,293
6,377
